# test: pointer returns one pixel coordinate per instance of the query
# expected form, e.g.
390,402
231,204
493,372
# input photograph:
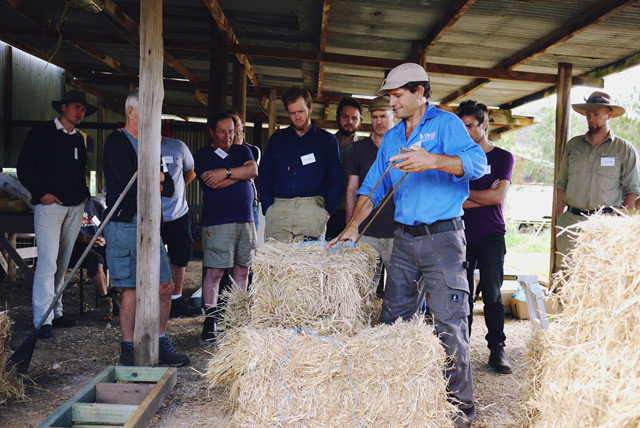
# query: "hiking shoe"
105,306
168,355
499,361
115,301
180,308
46,332
62,322
126,353
210,324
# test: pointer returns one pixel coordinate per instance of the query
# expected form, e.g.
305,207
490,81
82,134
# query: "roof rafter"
224,25
457,10
565,32
326,7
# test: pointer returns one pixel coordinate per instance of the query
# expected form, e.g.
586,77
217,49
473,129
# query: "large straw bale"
585,369
301,284
11,388
396,371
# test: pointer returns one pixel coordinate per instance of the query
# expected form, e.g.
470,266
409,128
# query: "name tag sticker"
96,220
609,161
221,153
75,153
487,170
167,159
307,159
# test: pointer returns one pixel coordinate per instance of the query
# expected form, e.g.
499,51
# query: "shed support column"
563,109
100,149
7,101
149,208
218,69
240,89
272,111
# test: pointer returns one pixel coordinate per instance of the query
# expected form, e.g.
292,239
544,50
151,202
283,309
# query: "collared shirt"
428,196
60,127
294,166
598,177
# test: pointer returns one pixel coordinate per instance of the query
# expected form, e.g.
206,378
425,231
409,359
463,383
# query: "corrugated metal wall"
194,140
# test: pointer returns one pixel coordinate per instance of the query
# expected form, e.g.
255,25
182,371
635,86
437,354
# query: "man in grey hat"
435,158
598,171
52,166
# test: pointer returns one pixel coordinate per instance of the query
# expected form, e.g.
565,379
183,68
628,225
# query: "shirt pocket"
609,175
577,162
120,263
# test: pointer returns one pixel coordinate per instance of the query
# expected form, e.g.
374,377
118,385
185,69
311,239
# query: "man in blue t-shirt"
229,238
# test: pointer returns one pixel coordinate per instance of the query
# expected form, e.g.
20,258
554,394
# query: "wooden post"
149,208
240,89
272,111
11,265
100,149
7,101
563,108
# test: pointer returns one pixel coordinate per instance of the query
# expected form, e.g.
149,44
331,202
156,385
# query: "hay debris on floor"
585,369
395,373
11,388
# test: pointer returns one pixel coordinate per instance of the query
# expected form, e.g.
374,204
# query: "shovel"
22,356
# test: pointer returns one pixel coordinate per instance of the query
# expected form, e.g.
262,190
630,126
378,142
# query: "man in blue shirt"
301,179
428,255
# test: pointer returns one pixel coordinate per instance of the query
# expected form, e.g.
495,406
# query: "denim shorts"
122,254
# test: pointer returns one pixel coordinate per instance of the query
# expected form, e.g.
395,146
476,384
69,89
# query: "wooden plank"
453,15
152,403
122,393
13,254
272,111
326,7
88,413
63,416
239,91
139,374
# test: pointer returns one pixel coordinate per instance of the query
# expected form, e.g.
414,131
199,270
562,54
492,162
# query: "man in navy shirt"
229,238
301,179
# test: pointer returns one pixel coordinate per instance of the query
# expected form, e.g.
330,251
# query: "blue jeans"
437,258
488,256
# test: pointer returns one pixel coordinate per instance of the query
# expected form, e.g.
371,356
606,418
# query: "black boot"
499,361
210,324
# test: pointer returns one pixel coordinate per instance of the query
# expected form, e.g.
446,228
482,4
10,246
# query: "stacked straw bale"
585,369
306,326
396,373
11,388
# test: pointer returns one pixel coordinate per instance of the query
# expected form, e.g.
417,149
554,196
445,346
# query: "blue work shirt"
428,196
294,167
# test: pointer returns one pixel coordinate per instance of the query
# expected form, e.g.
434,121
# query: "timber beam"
326,7
453,14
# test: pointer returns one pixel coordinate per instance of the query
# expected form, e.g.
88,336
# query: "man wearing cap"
428,254
348,119
52,165
598,171
379,234
300,176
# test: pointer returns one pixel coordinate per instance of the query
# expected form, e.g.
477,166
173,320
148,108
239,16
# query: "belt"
577,211
437,227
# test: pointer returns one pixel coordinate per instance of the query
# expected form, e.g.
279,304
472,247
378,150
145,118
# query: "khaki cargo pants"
288,219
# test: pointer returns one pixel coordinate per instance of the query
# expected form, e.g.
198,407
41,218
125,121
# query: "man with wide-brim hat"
599,171
52,165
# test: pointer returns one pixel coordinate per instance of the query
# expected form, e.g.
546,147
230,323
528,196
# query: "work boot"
210,324
180,308
499,361
168,355
115,301
105,306
62,322
126,353
46,332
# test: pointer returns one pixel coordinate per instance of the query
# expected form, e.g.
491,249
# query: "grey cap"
401,75
379,103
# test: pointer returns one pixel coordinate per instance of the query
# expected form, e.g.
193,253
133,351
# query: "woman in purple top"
485,229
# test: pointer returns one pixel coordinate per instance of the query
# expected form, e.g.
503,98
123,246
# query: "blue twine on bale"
336,247
286,345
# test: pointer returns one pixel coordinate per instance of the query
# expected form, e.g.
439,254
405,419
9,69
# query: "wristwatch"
228,172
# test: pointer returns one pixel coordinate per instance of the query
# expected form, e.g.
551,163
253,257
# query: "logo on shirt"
427,136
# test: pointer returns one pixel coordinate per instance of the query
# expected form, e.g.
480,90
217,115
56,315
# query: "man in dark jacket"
120,163
52,166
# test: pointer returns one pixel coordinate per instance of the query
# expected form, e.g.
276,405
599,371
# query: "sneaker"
180,308
62,322
499,361
46,332
126,353
168,355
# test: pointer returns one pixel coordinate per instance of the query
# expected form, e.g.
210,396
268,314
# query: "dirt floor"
63,364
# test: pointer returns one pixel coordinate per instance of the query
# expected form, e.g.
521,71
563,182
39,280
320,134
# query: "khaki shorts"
287,219
227,244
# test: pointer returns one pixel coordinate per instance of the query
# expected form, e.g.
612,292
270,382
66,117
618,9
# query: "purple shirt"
233,204
481,222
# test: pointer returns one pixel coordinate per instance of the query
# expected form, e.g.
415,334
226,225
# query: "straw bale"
301,284
585,369
11,388
396,371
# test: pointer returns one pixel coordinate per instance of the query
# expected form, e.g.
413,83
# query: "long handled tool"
21,358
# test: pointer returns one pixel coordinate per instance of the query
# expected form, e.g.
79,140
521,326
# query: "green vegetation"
527,252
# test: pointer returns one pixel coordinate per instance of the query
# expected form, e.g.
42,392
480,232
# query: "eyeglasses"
223,133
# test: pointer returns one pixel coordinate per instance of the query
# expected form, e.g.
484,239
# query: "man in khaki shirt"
598,170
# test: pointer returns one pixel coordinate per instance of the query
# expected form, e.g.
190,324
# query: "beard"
346,132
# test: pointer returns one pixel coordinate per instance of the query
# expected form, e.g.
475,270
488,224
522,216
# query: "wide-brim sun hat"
598,100
379,103
401,75
71,97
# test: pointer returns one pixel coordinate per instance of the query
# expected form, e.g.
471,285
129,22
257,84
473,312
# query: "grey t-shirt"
178,158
